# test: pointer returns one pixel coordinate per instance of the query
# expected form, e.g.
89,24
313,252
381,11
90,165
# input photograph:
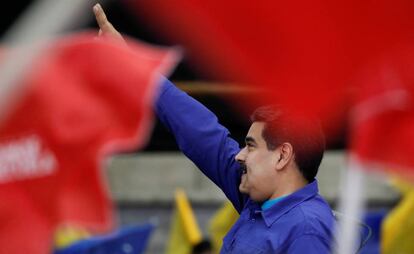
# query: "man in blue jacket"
283,212
271,181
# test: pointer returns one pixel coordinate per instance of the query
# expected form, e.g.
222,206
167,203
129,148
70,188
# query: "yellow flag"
184,232
221,223
67,235
398,226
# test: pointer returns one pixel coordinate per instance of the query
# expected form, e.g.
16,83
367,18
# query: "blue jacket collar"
289,202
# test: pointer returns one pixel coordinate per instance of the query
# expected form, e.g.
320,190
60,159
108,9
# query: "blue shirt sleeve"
309,244
202,139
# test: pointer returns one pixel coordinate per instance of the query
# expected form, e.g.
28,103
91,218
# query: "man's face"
259,179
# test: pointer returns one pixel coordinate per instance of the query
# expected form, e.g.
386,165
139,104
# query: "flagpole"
351,205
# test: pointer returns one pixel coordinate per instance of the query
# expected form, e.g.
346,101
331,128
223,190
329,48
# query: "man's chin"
243,190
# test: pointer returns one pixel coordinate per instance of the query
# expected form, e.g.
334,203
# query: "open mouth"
243,169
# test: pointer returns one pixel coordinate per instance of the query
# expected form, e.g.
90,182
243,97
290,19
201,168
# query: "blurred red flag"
301,53
83,99
306,55
383,114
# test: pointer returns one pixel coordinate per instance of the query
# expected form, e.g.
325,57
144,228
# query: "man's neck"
288,185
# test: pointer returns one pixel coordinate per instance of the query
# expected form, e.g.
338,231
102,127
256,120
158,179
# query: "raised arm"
197,131
201,138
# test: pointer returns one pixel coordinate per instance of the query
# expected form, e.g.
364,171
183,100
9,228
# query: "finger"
105,27
100,16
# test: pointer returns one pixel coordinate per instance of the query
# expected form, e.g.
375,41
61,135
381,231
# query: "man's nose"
241,156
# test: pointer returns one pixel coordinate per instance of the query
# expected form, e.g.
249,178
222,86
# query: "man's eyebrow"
249,139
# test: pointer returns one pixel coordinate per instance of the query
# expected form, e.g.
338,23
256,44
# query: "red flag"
302,53
83,99
383,115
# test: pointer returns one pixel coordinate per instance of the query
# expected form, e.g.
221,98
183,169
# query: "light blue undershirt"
269,203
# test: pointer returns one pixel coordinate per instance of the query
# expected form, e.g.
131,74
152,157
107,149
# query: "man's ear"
284,155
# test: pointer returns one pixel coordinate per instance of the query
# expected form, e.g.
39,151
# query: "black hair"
304,133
